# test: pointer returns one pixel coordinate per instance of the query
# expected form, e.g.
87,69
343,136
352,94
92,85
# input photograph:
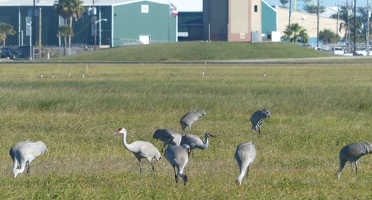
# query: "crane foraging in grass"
245,154
258,118
168,136
178,156
25,154
189,118
141,149
195,141
352,153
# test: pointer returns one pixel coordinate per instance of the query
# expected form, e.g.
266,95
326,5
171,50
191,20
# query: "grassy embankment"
198,51
316,110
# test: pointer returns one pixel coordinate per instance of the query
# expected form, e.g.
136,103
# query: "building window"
255,8
144,8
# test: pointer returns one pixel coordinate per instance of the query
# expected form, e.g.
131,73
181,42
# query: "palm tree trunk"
65,38
69,38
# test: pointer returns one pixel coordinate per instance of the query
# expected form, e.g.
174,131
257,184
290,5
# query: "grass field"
316,110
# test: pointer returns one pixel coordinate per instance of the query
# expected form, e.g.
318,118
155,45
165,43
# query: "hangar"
118,22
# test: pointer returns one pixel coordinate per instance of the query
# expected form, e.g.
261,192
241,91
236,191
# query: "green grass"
198,51
316,110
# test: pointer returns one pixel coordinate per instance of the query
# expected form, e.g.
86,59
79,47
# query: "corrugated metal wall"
143,19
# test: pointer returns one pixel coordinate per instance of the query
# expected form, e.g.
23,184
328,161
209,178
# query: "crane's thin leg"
190,129
153,169
247,171
356,168
175,175
28,168
140,165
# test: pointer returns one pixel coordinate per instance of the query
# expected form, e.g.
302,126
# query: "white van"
338,50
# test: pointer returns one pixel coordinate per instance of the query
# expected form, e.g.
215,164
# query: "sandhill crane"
258,118
245,154
178,156
189,118
26,153
168,136
141,149
195,141
352,153
12,151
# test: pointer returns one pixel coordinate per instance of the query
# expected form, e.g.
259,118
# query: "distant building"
309,22
118,22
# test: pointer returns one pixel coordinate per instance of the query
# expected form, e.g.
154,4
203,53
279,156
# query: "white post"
30,24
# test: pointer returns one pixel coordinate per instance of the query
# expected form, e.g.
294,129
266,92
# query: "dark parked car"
7,52
22,52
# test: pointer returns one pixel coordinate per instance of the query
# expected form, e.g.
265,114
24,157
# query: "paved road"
315,60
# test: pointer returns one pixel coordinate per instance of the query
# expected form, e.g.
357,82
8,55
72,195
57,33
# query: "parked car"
338,50
22,52
363,52
7,52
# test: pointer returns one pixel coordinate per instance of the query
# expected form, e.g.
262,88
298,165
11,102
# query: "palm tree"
313,9
5,30
294,32
327,36
64,31
283,2
69,10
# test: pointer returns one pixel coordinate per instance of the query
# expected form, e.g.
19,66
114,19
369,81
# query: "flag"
172,7
173,10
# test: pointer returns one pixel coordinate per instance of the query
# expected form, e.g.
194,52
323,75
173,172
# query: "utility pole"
95,26
33,30
40,32
355,47
317,25
367,38
290,13
338,17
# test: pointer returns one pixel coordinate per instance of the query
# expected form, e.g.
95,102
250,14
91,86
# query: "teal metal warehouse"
118,22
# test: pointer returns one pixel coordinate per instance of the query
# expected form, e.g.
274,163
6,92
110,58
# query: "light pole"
367,38
355,47
317,25
99,44
338,17
95,25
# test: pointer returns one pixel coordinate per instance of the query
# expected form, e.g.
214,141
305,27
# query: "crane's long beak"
212,135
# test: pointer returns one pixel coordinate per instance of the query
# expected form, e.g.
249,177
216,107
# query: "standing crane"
245,154
26,153
189,118
13,150
178,156
141,149
352,153
195,141
168,136
258,118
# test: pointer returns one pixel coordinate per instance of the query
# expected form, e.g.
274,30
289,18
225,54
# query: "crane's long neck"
241,175
18,171
206,141
126,145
